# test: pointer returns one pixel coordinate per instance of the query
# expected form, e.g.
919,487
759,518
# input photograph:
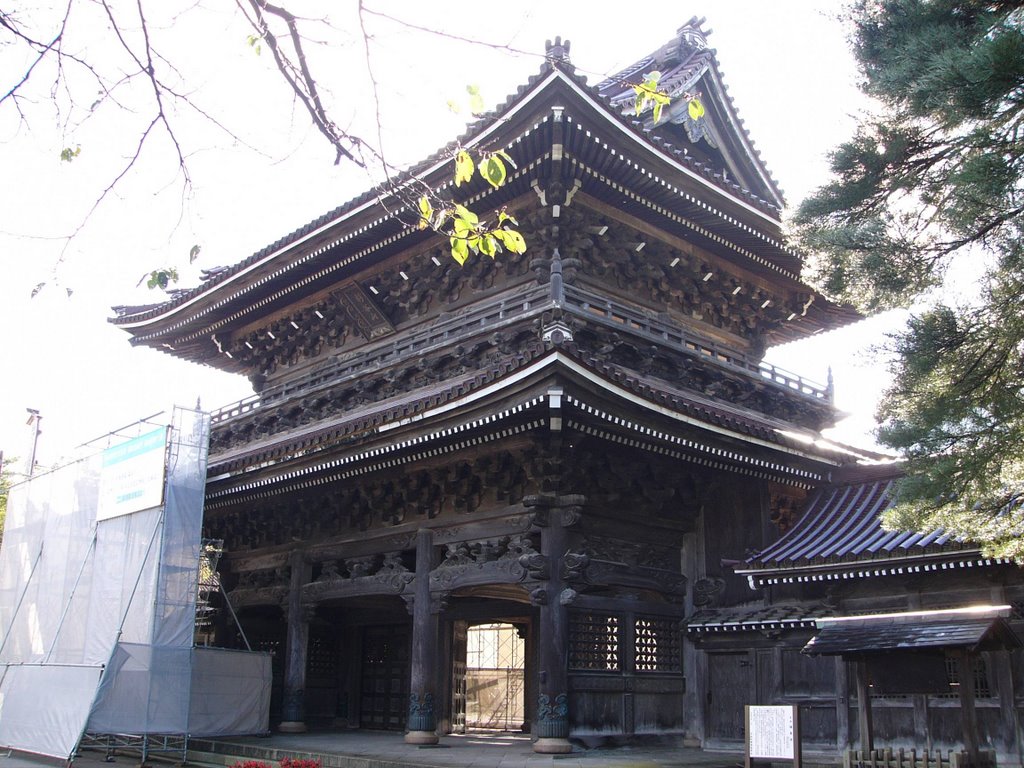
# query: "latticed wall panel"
657,645
594,642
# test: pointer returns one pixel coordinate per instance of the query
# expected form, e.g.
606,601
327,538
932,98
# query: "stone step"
211,754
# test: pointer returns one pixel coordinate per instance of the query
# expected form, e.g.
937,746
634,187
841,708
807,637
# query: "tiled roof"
315,442
135,314
840,536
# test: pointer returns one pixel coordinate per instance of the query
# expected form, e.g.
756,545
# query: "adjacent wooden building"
581,442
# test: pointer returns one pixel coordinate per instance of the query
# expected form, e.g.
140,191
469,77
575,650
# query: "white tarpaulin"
98,612
230,692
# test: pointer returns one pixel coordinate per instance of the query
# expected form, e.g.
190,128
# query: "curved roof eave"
361,204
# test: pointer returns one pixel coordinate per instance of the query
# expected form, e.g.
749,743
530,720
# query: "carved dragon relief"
486,561
266,586
365,575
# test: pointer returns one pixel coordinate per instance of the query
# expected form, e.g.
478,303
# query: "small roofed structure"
906,653
896,648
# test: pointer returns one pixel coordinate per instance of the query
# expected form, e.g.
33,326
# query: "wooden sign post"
772,733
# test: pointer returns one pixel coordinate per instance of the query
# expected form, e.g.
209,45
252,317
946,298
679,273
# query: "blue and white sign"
132,476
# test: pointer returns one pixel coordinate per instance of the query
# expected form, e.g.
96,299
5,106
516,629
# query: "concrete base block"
552,746
421,737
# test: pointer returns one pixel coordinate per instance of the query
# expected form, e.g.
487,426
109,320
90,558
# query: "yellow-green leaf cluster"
467,233
648,93
464,167
696,108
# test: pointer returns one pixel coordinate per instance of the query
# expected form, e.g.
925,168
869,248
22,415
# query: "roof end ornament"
557,52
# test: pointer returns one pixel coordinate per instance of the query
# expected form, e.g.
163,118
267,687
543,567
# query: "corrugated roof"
895,633
756,618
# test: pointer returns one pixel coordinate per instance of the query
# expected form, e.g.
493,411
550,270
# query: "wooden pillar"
694,661
354,675
1001,672
842,705
968,716
921,718
551,725
864,726
293,706
422,720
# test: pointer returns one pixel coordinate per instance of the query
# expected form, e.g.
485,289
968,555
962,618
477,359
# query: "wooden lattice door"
384,697
459,633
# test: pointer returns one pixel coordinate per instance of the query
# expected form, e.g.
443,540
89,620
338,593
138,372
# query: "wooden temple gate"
582,440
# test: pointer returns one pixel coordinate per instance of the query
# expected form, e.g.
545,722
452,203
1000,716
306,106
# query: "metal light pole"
33,421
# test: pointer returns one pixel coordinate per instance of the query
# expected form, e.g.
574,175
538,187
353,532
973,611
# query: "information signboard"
132,475
773,733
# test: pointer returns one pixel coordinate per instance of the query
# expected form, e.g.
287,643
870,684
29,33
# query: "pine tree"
933,184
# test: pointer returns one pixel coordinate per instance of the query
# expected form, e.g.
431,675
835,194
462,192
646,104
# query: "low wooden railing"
914,758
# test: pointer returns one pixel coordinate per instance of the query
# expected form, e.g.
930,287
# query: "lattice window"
982,688
322,657
270,645
594,642
657,645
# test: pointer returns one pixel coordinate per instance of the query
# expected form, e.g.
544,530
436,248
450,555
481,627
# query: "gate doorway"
495,677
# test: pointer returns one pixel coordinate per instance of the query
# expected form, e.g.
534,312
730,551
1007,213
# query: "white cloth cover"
97,618
230,692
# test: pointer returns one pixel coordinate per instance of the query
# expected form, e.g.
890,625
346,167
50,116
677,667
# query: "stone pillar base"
421,737
552,746
292,726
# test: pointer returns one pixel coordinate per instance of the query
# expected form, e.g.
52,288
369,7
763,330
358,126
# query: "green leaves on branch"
467,233
162,278
68,154
491,167
254,42
928,191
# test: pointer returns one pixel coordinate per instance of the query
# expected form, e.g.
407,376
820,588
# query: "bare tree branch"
298,75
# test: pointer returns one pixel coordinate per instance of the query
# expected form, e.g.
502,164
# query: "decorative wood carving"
707,592
364,314
288,340
432,279
462,487
632,553
785,504
646,273
488,561
368,575
506,348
